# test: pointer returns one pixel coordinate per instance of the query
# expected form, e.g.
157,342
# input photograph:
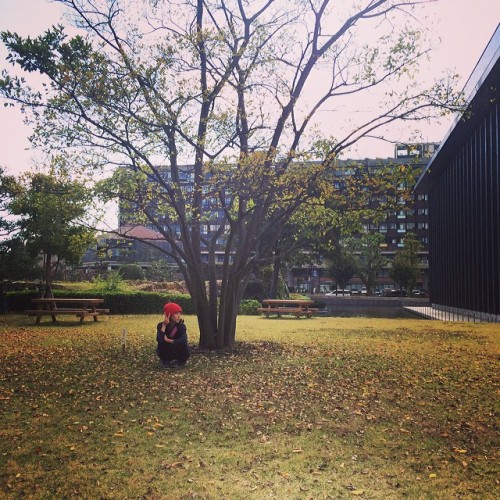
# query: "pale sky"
465,27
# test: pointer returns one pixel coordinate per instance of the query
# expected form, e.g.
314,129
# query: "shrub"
131,272
159,270
112,282
249,307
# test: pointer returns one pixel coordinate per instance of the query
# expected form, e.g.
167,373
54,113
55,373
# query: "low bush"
131,272
249,307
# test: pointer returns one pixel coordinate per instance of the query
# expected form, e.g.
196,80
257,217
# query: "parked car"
394,293
339,292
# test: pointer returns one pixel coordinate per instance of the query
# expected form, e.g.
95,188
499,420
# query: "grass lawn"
310,408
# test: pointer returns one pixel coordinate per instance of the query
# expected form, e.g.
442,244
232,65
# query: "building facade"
413,218
463,184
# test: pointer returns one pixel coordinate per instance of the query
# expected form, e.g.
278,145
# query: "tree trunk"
273,293
3,301
48,276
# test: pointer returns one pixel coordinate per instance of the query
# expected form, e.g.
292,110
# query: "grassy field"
298,409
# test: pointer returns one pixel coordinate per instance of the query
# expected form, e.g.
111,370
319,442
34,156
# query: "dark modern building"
463,184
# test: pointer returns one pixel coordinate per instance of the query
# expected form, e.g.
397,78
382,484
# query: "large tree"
230,88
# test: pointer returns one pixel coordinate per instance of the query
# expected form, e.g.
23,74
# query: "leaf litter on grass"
371,408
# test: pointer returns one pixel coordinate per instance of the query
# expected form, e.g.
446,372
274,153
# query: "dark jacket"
179,336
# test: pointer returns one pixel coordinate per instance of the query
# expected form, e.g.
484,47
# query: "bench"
280,310
48,307
297,308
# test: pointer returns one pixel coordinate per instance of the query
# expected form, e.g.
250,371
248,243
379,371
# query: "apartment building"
413,218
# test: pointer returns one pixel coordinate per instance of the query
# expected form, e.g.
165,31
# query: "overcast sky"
465,27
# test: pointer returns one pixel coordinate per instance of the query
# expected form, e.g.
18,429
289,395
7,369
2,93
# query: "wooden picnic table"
80,307
287,306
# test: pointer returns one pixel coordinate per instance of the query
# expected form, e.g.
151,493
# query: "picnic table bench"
297,308
80,307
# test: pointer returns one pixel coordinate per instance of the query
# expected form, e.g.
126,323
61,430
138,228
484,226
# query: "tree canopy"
227,94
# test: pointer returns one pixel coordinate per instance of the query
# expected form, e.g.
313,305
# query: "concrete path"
451,315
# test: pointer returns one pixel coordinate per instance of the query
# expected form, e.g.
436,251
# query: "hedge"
117,302
135,302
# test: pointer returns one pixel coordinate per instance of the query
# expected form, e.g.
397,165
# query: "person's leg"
182,354
166,355
161,355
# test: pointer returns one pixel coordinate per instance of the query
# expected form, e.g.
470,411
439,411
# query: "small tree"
51,210
407,267
369,260
9,187
15,264
342,266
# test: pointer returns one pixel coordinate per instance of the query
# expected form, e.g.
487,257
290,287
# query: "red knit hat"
172,308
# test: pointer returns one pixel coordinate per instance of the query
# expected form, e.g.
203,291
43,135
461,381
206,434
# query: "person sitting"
171,335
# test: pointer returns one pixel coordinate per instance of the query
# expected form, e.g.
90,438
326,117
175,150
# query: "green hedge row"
123,302
116,302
